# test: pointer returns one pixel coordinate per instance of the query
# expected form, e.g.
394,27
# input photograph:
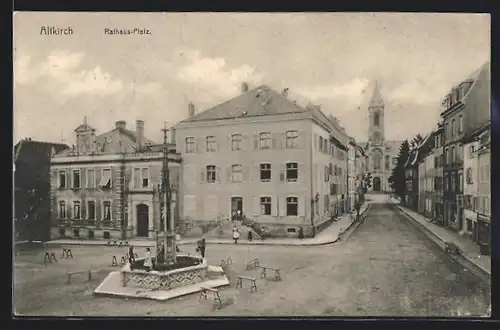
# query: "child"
236,235
147,260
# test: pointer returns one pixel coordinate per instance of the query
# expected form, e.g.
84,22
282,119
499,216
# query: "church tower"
376,133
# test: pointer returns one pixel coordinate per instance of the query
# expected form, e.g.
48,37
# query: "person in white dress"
236,235
148,263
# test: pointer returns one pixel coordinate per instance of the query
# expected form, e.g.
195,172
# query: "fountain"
173,275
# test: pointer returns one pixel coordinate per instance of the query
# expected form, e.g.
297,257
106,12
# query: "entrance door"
376,183
142,220
236,205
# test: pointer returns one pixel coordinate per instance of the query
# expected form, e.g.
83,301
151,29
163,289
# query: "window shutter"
112,175
245,173
256,141
274,138
246,143
299,174
281,206
228,173
83,210
282,171
200,147
302,139
229,144
202,175
218,174
274,206
256,206
281,140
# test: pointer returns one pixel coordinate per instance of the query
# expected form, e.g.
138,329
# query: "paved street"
387,267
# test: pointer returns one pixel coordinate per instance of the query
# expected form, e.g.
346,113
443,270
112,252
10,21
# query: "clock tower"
376,134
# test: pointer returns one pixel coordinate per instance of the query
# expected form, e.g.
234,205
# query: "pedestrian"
301,233
131,257
148,264
203,245
250,235
236,235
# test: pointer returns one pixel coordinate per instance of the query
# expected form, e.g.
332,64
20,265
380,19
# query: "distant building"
426,174
107,186
381,153
32,189
438,174
352,179
360,171
470,188
411,180
484,190
261,155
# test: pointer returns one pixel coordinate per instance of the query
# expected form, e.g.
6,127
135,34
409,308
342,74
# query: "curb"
355,225
439,242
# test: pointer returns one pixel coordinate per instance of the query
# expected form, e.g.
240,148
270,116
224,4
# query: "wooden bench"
226,261
89,274
451,248
203,294
254,263
253,284
49,257
277,275
66,253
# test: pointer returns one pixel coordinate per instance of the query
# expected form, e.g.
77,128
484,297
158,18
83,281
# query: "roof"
475,135
259,101
115,141
39,148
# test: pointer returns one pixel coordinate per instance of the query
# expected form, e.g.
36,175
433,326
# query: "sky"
329,59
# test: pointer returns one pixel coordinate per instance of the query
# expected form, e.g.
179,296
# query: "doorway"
236,208
376,183
142,220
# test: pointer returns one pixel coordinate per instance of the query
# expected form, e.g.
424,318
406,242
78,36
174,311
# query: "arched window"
376,119
377,159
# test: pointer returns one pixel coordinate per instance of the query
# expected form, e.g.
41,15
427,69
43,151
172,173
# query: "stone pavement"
329,235
469,250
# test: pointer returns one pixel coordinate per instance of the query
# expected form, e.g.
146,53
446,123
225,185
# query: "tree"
397,180
415,142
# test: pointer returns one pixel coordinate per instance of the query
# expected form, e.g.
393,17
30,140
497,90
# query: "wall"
208,201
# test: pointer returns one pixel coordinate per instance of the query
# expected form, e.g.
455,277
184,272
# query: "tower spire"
376,100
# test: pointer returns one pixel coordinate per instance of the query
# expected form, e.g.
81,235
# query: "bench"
253,284
451,248
254,263
49,257
277,275
66,253
226,261
89,273
203,295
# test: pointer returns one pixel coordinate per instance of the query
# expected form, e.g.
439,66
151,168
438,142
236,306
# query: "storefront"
483,233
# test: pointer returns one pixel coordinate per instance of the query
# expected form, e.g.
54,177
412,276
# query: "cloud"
211,78
61,72
351,89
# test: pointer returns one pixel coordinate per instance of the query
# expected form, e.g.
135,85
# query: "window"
236,173
211,174
376,119
62,179
377,159
265,172
76,179
91,210
265,140
292,139
326,175
145,178
76,210
460,124
453,156
292,206
441,160
105,178
90,178
446,182
333,189
62,210
211,144
236,141
471,150
326,202
265,205
387,162
137,177
460,182
453,183
453,128
106,211
292,172
448,158
190,145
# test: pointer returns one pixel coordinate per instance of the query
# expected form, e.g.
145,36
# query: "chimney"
172,135
120,125
285,92
244,87
191,110
139,130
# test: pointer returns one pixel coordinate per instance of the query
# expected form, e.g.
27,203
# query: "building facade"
32,189
107,186
381,153
484,190
360,171
437,194
411,180
425,164
263,156
352,184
